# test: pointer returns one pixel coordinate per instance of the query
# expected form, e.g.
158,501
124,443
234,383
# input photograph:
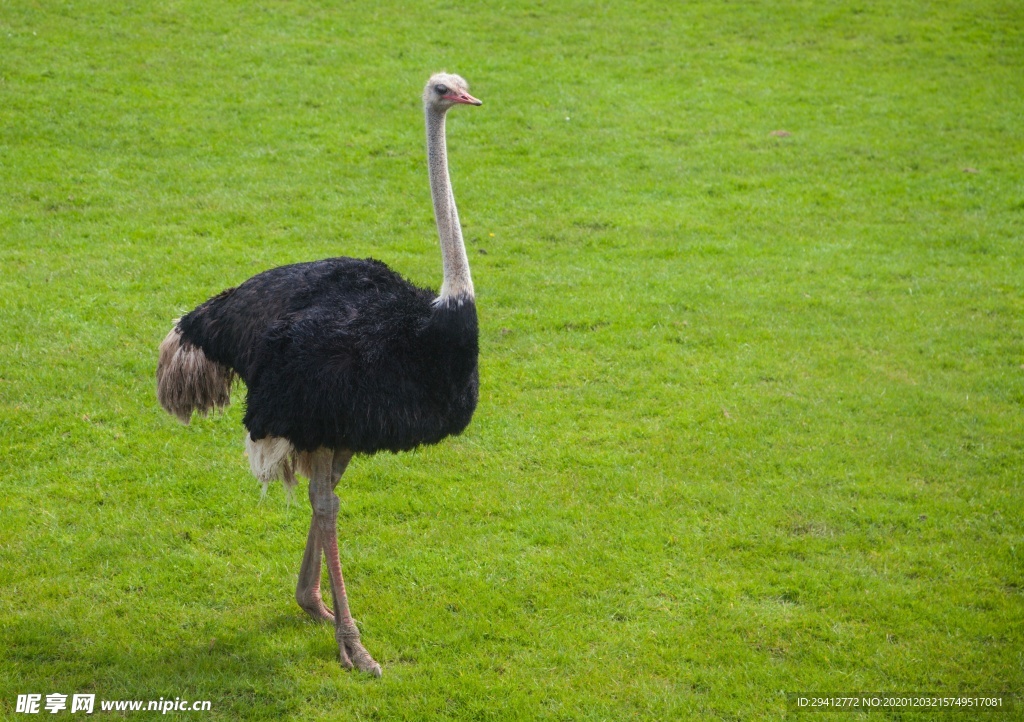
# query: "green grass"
751,404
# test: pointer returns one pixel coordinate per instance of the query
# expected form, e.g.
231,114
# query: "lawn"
751,290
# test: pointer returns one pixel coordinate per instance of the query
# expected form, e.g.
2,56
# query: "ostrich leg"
326,468
307,593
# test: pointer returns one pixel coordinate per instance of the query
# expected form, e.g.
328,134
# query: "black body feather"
344,354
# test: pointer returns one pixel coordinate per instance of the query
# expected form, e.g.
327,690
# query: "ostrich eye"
441,89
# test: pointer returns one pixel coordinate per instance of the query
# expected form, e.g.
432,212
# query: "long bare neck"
458,285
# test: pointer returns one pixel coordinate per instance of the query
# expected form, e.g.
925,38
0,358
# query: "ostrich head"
445,90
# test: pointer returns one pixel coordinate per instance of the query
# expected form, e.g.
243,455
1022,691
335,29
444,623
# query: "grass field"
751,285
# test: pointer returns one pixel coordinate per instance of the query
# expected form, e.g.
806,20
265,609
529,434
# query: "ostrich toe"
353,653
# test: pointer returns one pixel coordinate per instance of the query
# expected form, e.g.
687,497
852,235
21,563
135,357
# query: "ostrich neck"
458,285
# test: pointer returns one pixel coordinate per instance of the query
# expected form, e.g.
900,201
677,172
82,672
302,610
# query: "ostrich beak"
464,98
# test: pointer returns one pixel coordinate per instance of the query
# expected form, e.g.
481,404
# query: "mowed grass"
751,401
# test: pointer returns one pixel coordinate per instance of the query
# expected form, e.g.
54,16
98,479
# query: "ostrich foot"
314,606
353,653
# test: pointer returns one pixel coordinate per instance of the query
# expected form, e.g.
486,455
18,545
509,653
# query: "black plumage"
344,354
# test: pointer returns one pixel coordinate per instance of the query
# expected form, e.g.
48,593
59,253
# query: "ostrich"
340,357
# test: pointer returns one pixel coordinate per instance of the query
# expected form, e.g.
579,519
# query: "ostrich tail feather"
187,380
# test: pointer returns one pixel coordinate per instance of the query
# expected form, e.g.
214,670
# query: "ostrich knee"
325,512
